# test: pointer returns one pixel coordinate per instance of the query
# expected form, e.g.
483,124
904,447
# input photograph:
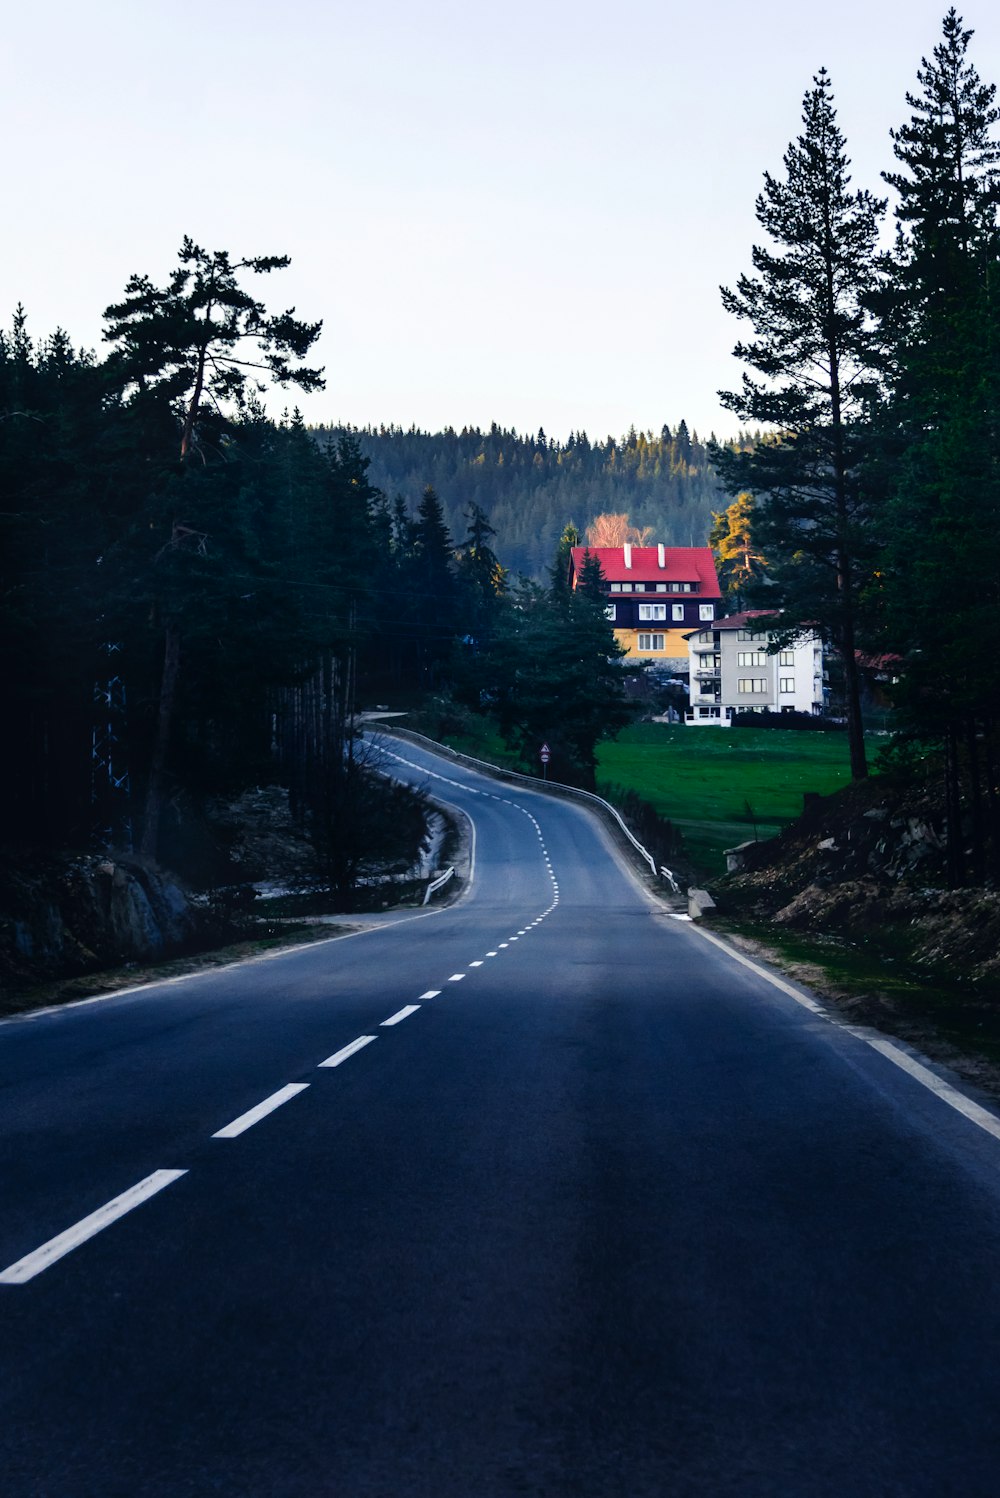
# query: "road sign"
544,754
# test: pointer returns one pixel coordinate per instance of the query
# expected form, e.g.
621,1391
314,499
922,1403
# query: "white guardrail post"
436,884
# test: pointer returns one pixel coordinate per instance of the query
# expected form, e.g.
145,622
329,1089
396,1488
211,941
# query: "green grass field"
713,783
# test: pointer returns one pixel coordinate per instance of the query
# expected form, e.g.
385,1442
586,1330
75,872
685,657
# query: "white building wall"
733,670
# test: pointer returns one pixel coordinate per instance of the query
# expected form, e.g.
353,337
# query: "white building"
733,671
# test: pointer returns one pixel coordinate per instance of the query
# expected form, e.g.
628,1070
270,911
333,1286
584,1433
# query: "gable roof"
742,621
681,564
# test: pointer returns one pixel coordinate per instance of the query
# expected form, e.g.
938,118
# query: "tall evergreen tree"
816,352
199,345
940,593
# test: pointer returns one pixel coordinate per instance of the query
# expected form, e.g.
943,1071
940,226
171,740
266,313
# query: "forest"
532,486
196,598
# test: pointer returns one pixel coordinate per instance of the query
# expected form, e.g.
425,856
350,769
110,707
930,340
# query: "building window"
661,587
706,637
706,611
786,658
616,587
751,658
625,587
652,611
677,612
750,684
786,684
748,634
611,612
651,642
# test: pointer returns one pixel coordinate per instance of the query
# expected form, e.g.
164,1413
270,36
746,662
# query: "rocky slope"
868,864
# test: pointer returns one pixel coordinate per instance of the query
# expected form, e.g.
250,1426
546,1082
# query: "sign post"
544,754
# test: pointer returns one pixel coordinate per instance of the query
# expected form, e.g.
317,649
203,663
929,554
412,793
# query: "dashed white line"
476,964
25,1269
254,1115
491,954
432,993
456,977
403,1013
348,1050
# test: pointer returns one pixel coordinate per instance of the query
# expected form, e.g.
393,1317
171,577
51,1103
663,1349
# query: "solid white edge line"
348,1050
403,1013
254,1115
942,1089
969,1109
25,1269
762,972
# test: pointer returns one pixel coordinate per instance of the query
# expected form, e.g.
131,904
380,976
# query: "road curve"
544,1193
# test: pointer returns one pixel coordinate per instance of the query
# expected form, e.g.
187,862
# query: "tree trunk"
161,744
852,696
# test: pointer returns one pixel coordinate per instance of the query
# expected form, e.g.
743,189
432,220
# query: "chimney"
627,549
661,555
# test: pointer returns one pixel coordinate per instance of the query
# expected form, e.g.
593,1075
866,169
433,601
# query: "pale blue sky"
519,213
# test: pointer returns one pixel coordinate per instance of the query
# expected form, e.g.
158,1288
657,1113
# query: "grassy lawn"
714,782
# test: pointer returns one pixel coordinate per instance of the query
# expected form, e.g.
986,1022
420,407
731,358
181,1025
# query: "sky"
517,213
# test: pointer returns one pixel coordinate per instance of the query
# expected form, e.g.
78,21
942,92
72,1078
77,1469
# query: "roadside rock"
70,914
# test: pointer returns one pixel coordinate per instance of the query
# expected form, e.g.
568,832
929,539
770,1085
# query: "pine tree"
198,345
940,594
816,351
738,561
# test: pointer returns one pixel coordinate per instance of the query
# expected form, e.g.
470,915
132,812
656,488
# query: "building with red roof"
656,596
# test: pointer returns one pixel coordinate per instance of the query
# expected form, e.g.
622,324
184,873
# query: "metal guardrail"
554,786
437,883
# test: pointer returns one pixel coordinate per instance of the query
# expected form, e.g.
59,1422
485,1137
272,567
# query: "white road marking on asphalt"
432,993
793,993
942,1089
456,977
676,916
254,1115
25,1269
476,964
502,945
403,1013
491,954
348,1050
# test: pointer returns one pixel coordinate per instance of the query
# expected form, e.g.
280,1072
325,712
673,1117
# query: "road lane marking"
25,1269
502,945
254,1115
403,1013
456,977
432,993
935,1084
476,964
348,1050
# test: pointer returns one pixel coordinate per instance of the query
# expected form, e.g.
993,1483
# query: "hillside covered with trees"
532,486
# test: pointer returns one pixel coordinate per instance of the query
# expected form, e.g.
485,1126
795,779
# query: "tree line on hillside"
869,510
531,486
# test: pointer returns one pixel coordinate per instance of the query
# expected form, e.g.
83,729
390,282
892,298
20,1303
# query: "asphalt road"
599,1210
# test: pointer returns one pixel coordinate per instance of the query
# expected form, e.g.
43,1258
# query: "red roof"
681,564
742,621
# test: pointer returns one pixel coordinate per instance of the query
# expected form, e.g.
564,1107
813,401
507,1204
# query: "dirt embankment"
868,864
